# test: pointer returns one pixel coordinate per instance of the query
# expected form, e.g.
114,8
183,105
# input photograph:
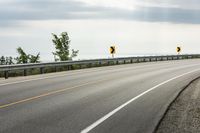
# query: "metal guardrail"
98,62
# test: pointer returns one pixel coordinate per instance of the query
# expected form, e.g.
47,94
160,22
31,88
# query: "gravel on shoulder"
183,115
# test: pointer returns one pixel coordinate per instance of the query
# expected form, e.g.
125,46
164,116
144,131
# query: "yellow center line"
47,94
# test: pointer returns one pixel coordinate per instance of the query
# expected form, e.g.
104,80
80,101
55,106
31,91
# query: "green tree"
34,59
23,57
3,60
61,44
74,53
9,60
26,58
6,60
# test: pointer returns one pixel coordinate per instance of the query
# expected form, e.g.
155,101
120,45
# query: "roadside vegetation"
62,46
62,53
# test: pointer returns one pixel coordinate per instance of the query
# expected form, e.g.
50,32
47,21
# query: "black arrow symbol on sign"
112,50
178,49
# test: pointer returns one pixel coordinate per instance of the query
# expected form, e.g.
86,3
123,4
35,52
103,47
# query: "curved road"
116,99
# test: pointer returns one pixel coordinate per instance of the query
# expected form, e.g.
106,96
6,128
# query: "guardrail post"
25,72
6,74
96,64
42,70
124,61
117,62
100,63
56,68
69,67
80,66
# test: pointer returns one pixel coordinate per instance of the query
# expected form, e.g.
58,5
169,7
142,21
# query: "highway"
115,99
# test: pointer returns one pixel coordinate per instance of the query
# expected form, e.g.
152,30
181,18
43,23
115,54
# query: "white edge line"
95,124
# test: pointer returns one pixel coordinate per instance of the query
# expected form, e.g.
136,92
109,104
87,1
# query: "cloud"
173,11
183,4
173,15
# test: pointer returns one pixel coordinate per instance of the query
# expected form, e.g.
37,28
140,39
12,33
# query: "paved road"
116,99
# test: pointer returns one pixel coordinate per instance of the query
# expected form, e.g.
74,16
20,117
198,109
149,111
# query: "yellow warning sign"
178,49
112,50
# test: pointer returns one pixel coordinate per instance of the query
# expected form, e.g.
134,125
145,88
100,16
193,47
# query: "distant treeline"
61,52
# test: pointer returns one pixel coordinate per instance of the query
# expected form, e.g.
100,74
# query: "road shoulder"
183,116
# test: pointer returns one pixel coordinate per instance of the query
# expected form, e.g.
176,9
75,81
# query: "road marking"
52,92
49,93
99,121
67,74
57,91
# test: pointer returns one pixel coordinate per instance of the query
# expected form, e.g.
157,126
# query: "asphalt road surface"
116,99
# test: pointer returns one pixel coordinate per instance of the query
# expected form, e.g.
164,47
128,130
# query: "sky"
134,27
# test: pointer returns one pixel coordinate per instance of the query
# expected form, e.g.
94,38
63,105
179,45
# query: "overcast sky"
135,27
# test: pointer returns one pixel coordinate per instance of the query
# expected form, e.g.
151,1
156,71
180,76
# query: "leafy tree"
26,58
9,60
23,57
6,60
61,43
3,60
34,59
74,53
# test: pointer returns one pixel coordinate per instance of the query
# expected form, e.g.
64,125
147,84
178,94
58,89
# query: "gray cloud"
173,15
185,4
19,10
